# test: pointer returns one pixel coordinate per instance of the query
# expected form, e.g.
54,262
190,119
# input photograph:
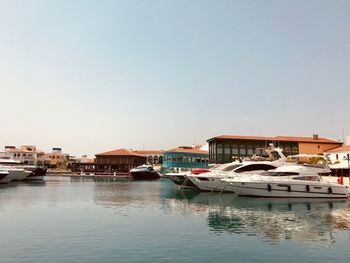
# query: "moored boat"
144,172
290,181
31,172
15,174
37,173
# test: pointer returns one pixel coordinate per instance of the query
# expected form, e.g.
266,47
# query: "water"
126,221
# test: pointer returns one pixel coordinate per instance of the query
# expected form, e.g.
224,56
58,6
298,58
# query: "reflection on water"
271,219
65,219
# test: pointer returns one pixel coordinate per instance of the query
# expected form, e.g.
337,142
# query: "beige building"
27,154
56,159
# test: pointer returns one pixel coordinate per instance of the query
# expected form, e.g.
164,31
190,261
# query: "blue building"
185,158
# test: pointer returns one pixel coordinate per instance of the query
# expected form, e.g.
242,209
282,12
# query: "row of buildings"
219,149
30,155
123,160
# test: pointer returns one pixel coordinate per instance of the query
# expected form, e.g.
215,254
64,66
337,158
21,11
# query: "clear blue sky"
91,76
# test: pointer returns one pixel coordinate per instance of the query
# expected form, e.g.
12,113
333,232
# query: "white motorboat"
212,181
35,172
289,181
15,174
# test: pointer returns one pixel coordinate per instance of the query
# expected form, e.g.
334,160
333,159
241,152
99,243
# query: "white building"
339,157
27,154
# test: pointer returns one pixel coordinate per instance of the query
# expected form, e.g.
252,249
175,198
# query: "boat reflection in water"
306,220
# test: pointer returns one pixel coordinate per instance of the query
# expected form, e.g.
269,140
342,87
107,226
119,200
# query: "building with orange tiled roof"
153,156
119,161
223,148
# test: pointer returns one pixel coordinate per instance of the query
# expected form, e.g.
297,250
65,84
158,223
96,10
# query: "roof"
119,152
345,148
277,138
148,152
186,150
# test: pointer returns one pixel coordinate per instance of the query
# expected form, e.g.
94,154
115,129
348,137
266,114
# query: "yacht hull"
18,174
144,175
182,180
287,190
206,183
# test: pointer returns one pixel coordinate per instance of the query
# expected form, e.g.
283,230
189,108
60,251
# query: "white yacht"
212,181
294,181
15,174
22,171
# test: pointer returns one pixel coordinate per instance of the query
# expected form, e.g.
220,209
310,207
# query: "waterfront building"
56,159
26,154
120,160
154,157
185,158
340,159
224,148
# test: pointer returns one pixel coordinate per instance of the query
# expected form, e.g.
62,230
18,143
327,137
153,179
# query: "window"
258,151
271,173
295,150
242,149
231,167
255,167
219,148
250,150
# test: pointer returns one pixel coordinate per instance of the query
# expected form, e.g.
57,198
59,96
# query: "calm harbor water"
64,220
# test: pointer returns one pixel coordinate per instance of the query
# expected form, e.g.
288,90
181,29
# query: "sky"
92,76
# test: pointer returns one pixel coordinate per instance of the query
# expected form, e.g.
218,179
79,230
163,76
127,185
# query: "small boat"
37,172
289,181
144,172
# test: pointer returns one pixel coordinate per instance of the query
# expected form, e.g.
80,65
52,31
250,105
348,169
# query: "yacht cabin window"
231,167
270,173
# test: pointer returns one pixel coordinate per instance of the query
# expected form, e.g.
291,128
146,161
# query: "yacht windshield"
231,167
